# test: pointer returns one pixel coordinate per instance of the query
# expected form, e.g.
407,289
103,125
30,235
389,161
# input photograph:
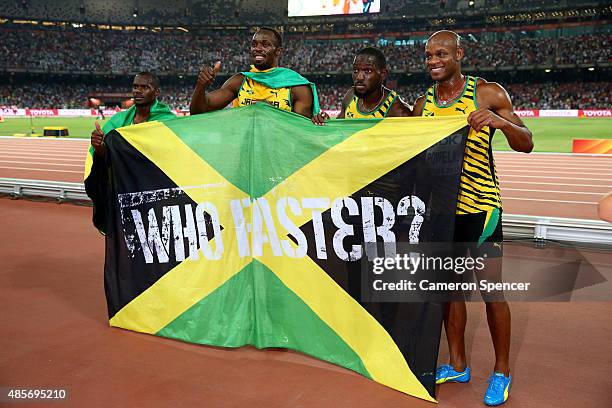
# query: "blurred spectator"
54,50
199,12
551,95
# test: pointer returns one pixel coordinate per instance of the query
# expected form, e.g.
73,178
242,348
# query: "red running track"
553,185
54,334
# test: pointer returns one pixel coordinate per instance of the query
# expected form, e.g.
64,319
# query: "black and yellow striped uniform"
353,112
252,92
479,186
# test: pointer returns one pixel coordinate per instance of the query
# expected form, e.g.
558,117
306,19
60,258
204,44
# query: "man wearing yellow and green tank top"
478,219
369,97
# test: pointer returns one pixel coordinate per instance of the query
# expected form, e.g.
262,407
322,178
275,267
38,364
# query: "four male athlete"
478,225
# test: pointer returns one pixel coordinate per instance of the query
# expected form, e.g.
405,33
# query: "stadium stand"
117,52
194,12
550,95
55,54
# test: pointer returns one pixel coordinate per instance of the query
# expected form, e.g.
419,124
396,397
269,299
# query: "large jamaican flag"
247,226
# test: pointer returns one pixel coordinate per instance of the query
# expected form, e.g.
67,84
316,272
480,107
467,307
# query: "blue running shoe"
499,389
446,373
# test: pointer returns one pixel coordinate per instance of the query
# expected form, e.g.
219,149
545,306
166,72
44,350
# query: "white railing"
40,188
539,228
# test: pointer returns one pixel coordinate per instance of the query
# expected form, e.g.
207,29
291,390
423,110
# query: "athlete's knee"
497,306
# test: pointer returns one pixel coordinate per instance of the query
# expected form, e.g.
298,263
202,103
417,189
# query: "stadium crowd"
117,52
195,12
552,95
182,12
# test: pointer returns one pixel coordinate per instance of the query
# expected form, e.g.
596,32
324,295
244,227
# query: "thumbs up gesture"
97,140
207,75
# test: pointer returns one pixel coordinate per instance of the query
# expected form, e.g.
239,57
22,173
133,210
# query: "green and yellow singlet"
479,186
353,112
252,92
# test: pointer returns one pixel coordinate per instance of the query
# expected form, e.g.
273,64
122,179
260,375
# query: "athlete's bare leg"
455,317
498,316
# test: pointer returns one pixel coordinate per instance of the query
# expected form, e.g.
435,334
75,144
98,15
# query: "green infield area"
78,127
550,134
556,134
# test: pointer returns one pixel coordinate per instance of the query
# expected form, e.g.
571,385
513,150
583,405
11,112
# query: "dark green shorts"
471,234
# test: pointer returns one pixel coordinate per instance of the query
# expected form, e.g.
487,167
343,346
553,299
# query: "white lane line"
42,150
41,163
559,167
10,156
77,139
559,178
39,147
50,140
548,191
556,184
30,154
30,142
533,154
549,201
555,163
44,145
547,155
553,158
34,169
603,157
557,172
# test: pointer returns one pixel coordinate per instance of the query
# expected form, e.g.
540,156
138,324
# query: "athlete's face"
264,50
144,91
367,76
442,58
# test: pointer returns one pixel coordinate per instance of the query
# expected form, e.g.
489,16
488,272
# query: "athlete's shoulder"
302,87
491,95
236,76
302,92
489,87
348,96
419,104
400,108
234,82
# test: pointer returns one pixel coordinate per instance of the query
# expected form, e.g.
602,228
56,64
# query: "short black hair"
377,54
277,35
154,79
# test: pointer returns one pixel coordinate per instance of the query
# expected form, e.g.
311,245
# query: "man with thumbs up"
264,82
145,90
